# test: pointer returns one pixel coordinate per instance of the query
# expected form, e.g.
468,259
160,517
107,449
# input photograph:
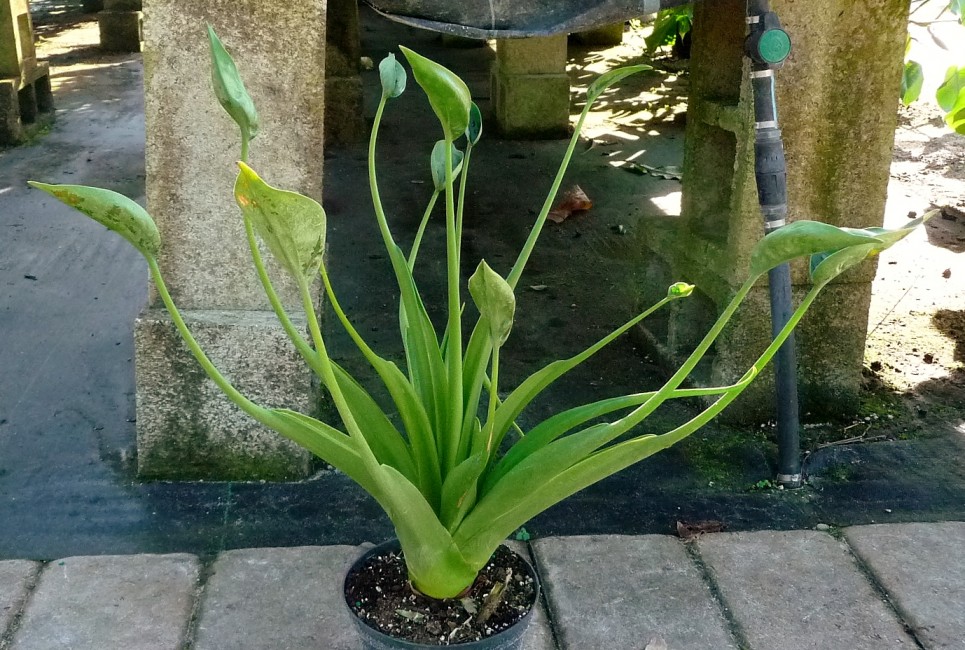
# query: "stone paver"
279,598
922,567
620,592
15,577
539,636
136,602
799,590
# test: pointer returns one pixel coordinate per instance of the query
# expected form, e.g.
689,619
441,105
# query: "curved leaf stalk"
463,181
414,251
492,521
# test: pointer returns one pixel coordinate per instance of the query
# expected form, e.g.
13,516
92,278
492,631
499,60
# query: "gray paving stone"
799,590
279,598
921,567
620,592
111,602
539,636
15,578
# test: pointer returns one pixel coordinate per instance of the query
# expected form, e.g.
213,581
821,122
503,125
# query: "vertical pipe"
771,175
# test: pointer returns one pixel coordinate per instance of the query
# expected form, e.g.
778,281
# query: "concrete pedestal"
26,101
121,25
191,149
838,131
530,88
344,117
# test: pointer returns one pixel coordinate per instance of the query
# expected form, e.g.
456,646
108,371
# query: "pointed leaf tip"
110,209
680,290
448,94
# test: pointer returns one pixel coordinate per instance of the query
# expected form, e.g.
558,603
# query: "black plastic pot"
372,639
515,19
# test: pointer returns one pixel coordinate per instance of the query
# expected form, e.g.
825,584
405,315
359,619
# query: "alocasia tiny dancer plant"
458,476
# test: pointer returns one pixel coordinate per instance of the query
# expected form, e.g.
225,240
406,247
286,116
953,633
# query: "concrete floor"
69,292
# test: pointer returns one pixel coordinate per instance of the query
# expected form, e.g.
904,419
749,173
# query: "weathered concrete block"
920,567
191,150
344,117
121,31
17,52
15,579
135,602
26,103
192,144
186,428
797,590
532,106
838,162
530,87
277,598
658,592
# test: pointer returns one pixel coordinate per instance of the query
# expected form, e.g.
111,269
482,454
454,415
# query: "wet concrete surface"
69,292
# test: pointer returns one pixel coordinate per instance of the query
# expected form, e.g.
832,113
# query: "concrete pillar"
344,117
185,429
837,103
120,25
530,88
25,97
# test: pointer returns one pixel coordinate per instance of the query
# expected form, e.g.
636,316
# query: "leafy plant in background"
456,476
670,28
951,94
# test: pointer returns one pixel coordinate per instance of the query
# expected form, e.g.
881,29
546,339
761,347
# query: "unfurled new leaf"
607,79
230,89
438,164
448,94
116,211
393,77
291,224
495,300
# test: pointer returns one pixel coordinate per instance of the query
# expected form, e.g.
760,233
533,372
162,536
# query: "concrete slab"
797,590
281,598
619,592
15,579
920,567
135,602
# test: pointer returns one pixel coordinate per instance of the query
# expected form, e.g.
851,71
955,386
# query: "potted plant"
456,477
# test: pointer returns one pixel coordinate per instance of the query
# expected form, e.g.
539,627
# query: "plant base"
389,614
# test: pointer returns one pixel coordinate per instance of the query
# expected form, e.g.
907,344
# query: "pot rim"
393,544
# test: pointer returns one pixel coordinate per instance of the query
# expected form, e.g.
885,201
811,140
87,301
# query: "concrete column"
530,88
185,428
344,121
837,103
120,25
25,97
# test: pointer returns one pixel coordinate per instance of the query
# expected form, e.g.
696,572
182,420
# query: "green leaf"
437,163
956,120
802,238
291,224
495,301
607,79
448,94
393,77
475,128
951,93
957,7
911,81
827,266
230,89
116,211
459,490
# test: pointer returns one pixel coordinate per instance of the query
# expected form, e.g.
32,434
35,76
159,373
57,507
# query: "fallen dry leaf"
689,530
574,200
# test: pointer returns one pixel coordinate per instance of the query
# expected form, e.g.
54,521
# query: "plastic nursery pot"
372,639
